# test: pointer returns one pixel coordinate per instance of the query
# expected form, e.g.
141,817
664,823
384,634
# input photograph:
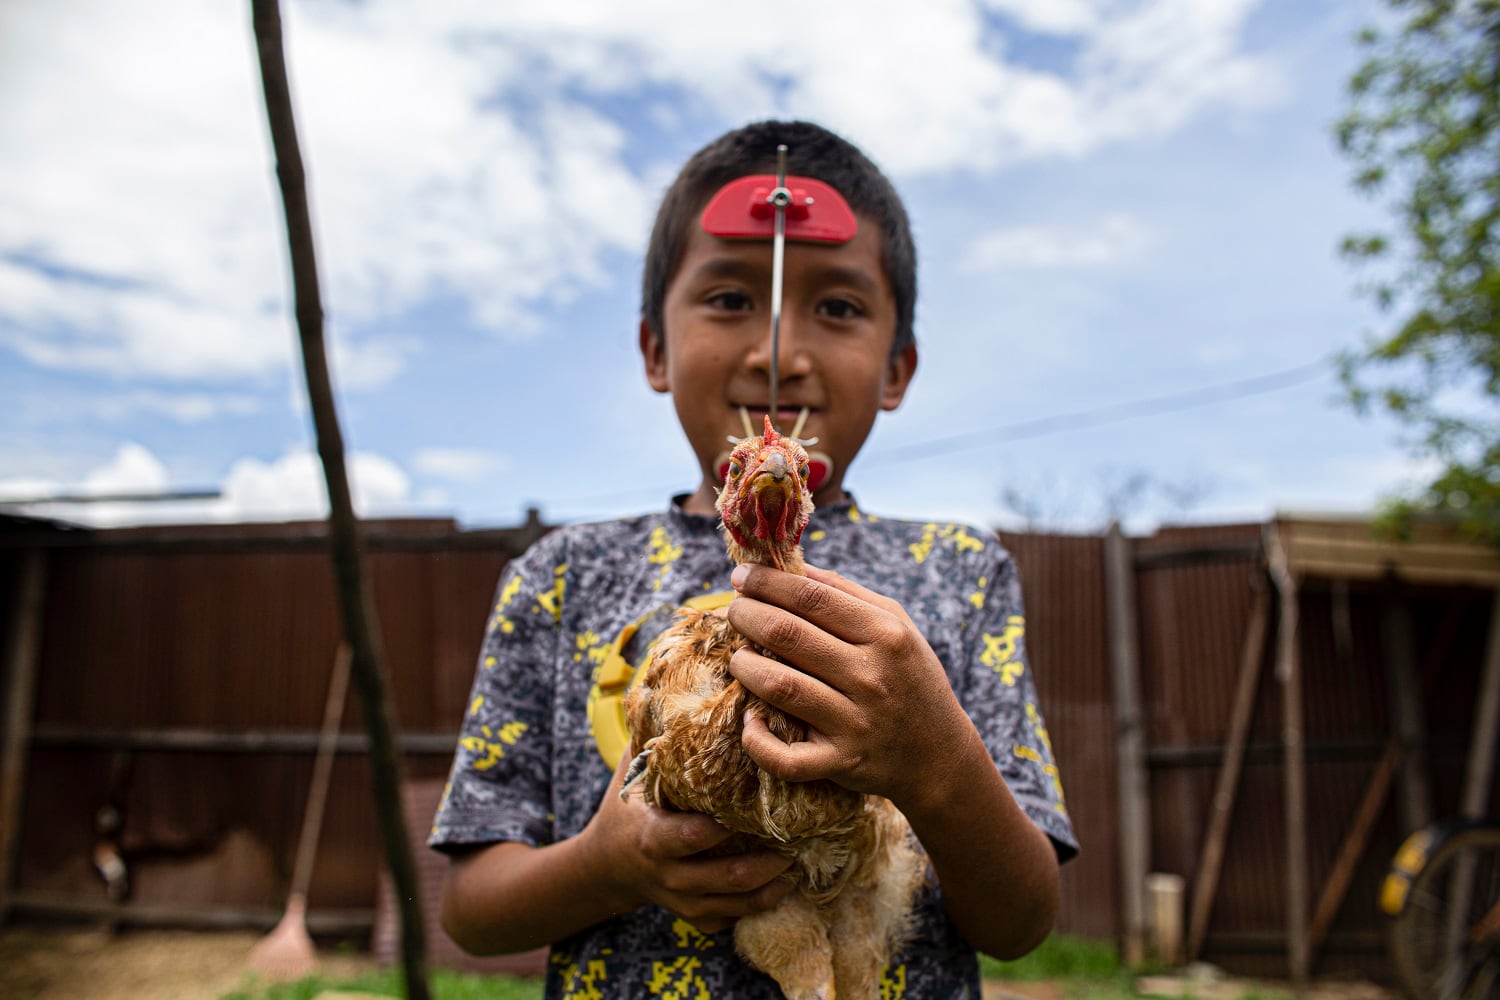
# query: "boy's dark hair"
812,151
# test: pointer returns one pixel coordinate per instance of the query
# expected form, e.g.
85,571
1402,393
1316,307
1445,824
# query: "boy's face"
838,322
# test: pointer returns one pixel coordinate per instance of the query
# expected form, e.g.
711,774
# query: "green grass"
444,986
1061,957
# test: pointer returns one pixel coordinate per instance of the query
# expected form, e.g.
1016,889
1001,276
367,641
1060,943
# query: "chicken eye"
802,472
734,470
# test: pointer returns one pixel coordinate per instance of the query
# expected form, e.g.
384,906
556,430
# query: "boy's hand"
882,717
655,856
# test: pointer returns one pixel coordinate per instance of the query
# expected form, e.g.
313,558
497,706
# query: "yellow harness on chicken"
606,704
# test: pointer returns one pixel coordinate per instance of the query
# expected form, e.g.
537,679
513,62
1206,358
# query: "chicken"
856,864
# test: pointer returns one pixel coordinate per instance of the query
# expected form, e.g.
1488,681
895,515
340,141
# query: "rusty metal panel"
1062,579
229,629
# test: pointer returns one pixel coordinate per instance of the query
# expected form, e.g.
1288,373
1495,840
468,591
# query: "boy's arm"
510,896
884,720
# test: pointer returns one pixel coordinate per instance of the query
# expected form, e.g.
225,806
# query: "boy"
903,651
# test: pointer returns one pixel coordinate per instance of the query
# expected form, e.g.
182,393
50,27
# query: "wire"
1099,416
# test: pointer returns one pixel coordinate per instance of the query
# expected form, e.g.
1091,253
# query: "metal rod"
780,198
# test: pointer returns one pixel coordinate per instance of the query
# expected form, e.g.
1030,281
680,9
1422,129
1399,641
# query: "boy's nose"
792,359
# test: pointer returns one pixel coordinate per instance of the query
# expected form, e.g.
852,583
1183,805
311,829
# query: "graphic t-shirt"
528,767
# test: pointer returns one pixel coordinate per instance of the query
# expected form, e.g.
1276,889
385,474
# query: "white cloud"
459,464
292,487
288,488
1116,237
132,470
471,151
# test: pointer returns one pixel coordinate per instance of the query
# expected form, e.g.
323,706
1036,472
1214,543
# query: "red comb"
742,209
770,436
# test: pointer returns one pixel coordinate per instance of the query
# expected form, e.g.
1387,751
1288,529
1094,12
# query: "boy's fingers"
804,761
838,612
672,836
848,586
725,886
798,693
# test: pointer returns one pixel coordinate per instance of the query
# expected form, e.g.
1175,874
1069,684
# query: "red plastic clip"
743,209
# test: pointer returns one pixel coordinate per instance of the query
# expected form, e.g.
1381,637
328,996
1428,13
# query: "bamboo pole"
1130,742
355,599
1226,787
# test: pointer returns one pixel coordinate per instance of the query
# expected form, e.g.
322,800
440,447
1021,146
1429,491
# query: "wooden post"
1481,767
1477,776
1130,743
1408,718
24,626
1226,787
1289,674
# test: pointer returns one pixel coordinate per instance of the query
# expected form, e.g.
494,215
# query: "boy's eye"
731,301
839,309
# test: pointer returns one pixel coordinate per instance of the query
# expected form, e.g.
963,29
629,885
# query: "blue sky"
1114,201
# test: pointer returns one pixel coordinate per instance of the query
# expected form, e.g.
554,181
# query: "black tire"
1427,966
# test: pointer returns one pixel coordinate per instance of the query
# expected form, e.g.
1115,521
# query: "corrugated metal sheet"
1062,578
233,630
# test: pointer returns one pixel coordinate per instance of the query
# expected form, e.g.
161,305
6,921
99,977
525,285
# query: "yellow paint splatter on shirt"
893,982
956,534
689,936
589,645
1045,758
661,552
583,984
507,594
551,600
678,979
489,746
1001,652
977,598
817,536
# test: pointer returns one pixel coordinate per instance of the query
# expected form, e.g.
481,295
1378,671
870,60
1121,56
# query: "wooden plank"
24,626
1289,674
1352,849
187,739
1134,802
1226,787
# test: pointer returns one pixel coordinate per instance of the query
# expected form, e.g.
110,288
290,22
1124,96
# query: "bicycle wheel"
1445,941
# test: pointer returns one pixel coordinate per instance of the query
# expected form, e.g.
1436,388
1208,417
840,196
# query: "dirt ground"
82,964
71,963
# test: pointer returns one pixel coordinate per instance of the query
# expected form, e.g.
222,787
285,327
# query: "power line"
1099,416
1222,392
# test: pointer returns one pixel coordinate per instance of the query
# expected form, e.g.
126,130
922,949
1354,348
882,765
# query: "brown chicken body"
856,864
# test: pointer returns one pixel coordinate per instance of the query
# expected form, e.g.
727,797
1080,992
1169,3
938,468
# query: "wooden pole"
1130,743
1479,776
21,655
355,600
1406,708
1226,787
1289,674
